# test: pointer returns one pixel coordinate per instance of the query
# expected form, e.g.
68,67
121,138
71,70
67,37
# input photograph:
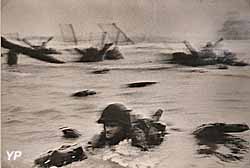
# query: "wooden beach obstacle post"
33,53
12,58
104,35
115,33
119,31
68,33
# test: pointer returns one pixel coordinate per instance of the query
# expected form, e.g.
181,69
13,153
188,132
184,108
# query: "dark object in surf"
102,71
70,133
84,93
12,58
221,66
215,130
239,63
93,54
113,54
211,137
140,84
65,155
206,56
31,52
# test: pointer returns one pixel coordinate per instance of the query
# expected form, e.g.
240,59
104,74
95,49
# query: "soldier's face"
112,129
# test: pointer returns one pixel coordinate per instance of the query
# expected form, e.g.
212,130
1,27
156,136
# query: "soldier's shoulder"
97,141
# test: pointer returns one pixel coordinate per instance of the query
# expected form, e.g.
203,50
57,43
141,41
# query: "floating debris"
84,93
65,155
101,71
194,70
140,84
70,133
221,66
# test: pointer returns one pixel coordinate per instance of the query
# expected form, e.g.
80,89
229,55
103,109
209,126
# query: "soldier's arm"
139,138
97,141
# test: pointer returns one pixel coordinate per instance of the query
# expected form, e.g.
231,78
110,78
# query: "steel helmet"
115,113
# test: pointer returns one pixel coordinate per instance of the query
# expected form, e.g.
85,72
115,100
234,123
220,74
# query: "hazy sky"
150,17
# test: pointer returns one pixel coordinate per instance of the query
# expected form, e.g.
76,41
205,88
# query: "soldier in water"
117,126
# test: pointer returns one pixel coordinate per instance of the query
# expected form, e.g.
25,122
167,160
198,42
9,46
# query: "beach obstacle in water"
205,56
33,53
42,48
12,58
101,71
93,54
113,54
115,34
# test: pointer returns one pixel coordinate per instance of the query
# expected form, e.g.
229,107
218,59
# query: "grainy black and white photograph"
125,83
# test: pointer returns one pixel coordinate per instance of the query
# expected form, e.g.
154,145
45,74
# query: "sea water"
36,102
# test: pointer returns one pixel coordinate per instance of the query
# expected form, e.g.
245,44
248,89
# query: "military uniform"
147,133
144,133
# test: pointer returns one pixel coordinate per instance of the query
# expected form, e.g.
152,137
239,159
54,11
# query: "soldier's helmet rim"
115,112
